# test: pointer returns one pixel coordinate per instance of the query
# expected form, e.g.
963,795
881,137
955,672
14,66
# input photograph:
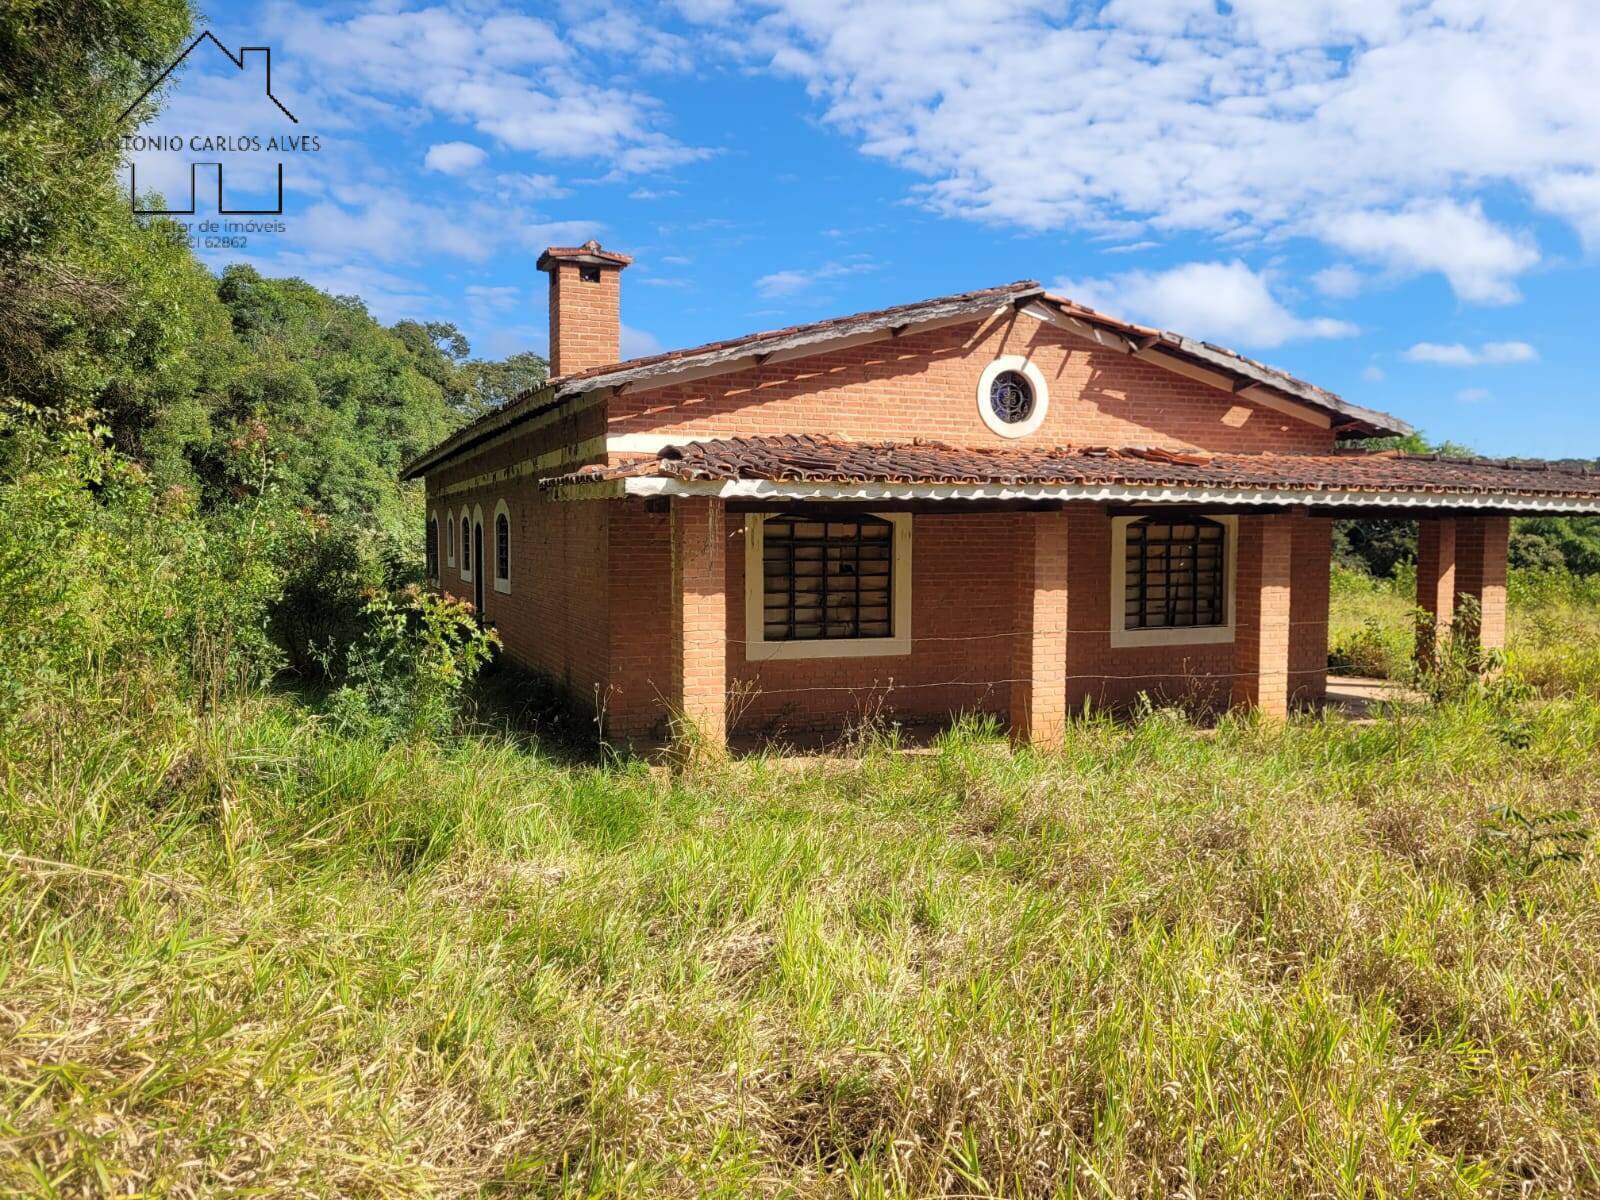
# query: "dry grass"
254,956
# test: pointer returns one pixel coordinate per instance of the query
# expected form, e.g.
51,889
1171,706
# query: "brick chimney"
585,294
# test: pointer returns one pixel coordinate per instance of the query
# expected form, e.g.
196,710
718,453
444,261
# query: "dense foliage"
157,421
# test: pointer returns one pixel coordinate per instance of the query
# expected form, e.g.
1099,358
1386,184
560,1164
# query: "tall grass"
1553,628
245,953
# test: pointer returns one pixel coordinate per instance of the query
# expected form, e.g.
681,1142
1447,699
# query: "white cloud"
1457,354
507,76
1339,281
454,158
1222,301
1373,374
1472,395
1574,195
1360,122
513,185
1458,241
791,282
492,297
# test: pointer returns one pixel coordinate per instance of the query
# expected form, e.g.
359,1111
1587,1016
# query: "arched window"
431,547
466,545
450,538
502,547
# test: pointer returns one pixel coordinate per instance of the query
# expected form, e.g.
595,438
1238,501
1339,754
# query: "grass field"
249,955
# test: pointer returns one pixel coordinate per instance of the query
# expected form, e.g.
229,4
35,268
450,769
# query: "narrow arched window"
431,548
466,546
450,538
502,547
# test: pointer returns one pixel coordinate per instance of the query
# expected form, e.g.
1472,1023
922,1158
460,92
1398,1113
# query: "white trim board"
766,489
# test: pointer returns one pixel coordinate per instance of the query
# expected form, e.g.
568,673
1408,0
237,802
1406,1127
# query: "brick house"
1000,501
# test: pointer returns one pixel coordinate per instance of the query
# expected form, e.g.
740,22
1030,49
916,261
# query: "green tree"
82,286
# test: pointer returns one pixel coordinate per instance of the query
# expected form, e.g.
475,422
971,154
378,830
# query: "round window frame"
1041,397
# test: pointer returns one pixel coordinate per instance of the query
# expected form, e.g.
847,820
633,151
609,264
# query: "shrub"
407,671
1372,648
331,569
111,590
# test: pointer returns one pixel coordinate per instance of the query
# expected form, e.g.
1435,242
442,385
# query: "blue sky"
1396,199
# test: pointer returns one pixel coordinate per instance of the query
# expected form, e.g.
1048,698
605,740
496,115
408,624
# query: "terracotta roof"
590,251
815,459
755,342
1210,354
731,351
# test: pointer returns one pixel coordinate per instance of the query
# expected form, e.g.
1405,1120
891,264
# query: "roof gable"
1229,371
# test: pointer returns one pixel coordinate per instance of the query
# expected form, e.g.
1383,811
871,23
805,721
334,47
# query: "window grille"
432,552
827,579
1011,397
1175,574
466,544
502,547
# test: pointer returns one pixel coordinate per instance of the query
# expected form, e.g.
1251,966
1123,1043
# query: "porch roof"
814,466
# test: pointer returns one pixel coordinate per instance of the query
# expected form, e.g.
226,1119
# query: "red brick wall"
591,606
585,319
964,624
640,643
1261,638
963,627
555,618
925,385
1103,675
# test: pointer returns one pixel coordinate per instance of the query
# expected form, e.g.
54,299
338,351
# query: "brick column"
1261,614
1481,546
700,616
1039,694
1436,581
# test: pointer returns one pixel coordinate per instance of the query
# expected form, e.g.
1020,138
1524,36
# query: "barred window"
466,546
1011,397
827,580
432,548
502,547
1176,575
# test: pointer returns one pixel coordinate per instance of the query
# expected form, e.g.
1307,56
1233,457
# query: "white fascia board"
766,489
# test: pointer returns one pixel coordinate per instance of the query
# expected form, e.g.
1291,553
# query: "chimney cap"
590,253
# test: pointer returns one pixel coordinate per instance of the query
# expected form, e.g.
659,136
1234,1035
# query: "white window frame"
438,549
758,649
450,537
1178,635
1041,396
501,509
466,548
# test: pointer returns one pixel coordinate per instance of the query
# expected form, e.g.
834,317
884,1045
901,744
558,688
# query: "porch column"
1261,614
1481,548
1039,688
1436,581
700,616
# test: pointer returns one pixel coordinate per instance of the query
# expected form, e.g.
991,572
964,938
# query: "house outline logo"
238,60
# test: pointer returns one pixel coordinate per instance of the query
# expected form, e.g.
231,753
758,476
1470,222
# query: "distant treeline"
1539,543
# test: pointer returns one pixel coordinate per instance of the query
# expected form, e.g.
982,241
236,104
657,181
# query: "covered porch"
1027,585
